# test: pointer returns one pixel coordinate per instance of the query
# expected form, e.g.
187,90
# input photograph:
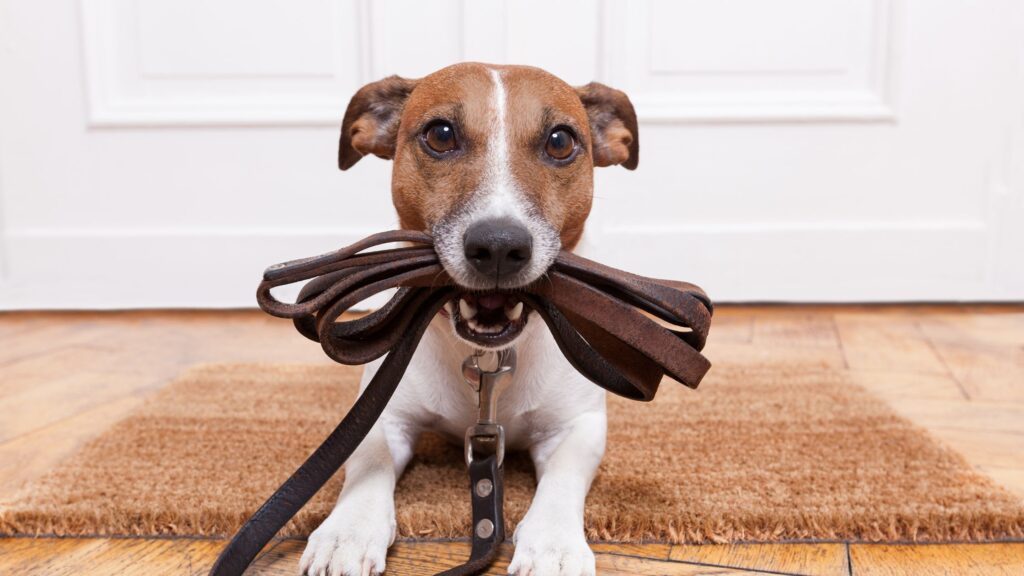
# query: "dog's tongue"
491,301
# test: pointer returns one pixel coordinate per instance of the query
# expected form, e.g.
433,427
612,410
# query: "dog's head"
497,163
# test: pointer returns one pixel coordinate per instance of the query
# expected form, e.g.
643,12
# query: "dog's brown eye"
440,137
560,144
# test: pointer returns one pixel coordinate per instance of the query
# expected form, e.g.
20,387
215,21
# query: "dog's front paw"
550,547
348,546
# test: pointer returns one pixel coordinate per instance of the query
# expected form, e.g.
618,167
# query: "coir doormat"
754,455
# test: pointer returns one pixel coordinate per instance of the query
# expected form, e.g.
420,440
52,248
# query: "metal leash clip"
487,436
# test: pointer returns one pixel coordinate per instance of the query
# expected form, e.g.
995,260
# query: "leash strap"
622,331
488,497
286,502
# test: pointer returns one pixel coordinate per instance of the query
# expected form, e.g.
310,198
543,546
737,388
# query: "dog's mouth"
489,319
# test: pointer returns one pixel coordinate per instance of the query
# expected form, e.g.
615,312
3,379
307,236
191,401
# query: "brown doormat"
754,455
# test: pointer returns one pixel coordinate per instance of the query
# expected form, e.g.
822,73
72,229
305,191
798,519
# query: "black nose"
499,247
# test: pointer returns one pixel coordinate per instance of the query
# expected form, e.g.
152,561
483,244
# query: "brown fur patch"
538,102
425,189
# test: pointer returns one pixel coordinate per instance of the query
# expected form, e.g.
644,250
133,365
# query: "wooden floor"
957,370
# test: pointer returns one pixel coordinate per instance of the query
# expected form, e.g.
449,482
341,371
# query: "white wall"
152,152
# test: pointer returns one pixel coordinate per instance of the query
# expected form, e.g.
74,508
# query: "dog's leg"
550,539
354,539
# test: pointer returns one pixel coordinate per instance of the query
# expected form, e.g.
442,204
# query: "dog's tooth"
467,310
515,313
449,307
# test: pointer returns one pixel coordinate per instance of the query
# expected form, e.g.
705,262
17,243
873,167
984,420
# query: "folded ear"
371,120
612,125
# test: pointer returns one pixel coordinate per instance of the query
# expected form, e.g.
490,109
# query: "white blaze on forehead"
499,189
499,103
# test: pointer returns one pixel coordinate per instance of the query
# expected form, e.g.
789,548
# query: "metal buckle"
485,439
487,436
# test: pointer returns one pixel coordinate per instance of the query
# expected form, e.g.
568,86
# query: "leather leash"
604,320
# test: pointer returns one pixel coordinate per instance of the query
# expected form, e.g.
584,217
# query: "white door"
161,153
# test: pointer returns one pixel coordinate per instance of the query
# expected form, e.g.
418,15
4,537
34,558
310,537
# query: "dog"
496,162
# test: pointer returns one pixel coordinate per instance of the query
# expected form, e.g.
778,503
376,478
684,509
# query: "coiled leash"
605,322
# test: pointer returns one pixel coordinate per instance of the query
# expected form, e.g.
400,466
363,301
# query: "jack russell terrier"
497,163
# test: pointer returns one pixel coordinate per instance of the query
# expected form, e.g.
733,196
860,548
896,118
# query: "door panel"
792,150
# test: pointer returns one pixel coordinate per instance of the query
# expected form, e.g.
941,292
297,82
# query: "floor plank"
32,454
653,551
734,328
990,448
30,556
417,558
39,406
1012,478
984,353
972,415
794,558
945,560
156,557
796,330
124,556
773,355
898,386
616,565
891,343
